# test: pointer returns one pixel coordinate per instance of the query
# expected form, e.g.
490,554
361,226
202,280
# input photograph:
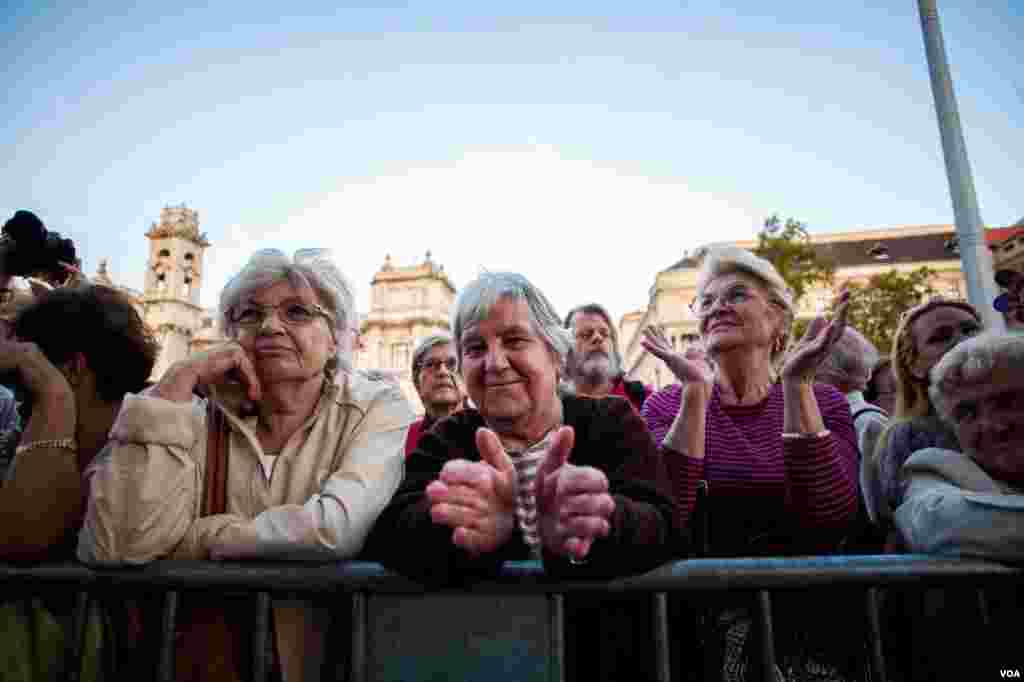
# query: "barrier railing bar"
74,647
663,664
525,577
764,622
260,638
168,627
875,631
360,624
556,654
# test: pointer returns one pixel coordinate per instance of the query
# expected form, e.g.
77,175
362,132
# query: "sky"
586,145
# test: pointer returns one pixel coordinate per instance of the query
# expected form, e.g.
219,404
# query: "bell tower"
174,273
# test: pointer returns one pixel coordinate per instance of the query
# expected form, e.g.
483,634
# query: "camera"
28,248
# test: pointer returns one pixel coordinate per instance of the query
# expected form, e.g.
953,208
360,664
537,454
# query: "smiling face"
936,331
292,350
439,387
510,371
734,312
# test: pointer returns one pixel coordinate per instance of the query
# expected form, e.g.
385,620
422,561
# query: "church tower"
170,300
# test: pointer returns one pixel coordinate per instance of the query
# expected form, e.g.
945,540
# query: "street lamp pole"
975,256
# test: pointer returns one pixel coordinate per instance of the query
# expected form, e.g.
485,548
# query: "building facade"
857,255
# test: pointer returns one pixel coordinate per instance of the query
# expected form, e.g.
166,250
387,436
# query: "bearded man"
594,366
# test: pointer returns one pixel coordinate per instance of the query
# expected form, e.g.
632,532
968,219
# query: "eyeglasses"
436,364
731,297
292,313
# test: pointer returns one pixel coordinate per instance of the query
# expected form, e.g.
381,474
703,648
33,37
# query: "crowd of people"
535,444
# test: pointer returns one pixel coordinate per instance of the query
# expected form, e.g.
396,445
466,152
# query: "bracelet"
57,443
805,436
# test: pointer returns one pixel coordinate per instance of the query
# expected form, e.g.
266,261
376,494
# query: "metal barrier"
360,580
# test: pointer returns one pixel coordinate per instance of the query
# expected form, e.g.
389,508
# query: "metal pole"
975,257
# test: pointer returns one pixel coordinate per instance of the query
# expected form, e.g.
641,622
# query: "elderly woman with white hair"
971,502
576,482
775,451
281,461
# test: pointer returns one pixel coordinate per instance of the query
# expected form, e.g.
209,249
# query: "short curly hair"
101,323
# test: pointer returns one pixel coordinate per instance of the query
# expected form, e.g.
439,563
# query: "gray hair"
421,351
850,362
308,268
972,361
475,301
599,310
727,260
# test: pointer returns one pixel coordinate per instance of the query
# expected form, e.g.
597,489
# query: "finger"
437,492
463,496
558,452
466,473
492,451
577,548
583,527
587,504
473,541
248,372
453,515
814,329
580,481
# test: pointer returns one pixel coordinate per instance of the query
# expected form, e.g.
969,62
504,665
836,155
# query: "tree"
875,307
788,247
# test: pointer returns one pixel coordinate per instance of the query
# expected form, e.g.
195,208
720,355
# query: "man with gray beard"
594,367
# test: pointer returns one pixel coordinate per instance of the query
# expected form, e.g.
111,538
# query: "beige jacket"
327,487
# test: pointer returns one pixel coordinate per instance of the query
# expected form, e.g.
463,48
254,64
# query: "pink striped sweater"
758,483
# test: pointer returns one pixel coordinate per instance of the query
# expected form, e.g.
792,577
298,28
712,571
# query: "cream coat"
330,482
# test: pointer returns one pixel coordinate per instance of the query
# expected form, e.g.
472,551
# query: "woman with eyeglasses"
436,378
776,451
280,461
924,334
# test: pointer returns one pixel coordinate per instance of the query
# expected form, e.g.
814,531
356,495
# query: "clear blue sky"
585,144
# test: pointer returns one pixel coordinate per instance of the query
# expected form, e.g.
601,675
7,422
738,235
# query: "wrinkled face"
733,311
935,332
439,386
990,422
288,345
510,372
593,355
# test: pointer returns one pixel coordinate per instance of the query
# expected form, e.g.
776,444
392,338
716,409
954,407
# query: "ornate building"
858,256
174,274
407,304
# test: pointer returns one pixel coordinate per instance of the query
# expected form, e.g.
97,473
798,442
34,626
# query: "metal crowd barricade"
360,581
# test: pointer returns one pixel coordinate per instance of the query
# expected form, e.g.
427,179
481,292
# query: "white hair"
476,299
850,362
972,361
727,260
421,351
308,268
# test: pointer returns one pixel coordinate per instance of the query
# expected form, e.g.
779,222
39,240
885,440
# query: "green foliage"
788,247
875,308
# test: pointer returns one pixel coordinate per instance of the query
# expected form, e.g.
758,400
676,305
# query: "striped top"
762,482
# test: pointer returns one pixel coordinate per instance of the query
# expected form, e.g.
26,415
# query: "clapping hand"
477,499
574,504
689,367
804,359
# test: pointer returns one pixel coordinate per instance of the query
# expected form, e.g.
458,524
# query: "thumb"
492,452
557,454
